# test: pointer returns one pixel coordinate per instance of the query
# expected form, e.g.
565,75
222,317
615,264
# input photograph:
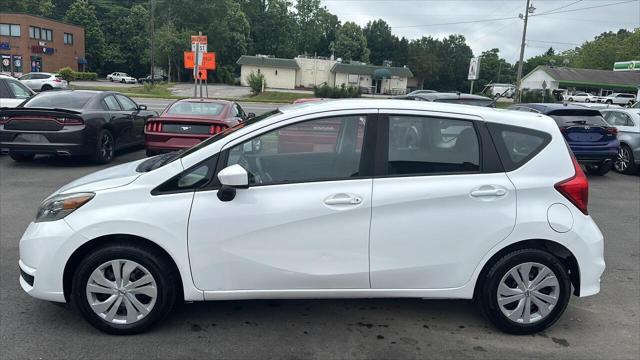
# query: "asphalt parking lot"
604,326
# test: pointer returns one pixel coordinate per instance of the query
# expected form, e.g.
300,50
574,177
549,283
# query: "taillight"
214,129
69,121
612,131
154,127
56,80
576,188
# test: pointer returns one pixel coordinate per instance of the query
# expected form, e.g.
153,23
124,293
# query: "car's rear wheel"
525,291
122,81
609,102
625,162
21,157
600,170
46,88
105,147
587,100
123,289
111,79
571,99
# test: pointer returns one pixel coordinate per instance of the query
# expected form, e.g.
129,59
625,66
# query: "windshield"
578,119
60,100
195,108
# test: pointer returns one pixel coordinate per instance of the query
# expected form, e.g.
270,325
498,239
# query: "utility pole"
522,44
153,37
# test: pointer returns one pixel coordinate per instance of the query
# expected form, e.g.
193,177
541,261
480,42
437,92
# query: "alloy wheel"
106,146
622,161
528,293
121,291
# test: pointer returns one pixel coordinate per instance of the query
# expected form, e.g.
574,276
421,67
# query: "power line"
586,8
562,7
553,42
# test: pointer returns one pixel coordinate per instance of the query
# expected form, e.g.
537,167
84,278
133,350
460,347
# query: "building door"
36,64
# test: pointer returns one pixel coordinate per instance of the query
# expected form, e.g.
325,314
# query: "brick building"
31,43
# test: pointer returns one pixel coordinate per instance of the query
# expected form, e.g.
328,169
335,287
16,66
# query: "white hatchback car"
339,199
41,81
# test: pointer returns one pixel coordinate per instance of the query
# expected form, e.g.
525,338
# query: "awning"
82,61
381,74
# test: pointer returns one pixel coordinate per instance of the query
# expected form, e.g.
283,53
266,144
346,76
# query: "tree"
424,61
35,7
350,43
380,41
84,14
328,25
308,14
494,69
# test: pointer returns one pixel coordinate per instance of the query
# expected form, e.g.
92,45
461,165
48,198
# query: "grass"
146,91
276,97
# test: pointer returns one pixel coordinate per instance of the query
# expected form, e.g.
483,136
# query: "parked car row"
127,79
614,98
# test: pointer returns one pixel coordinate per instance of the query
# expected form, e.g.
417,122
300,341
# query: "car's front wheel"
587,100
123,289
525,291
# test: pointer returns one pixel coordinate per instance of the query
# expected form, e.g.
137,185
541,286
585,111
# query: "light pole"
153,35
529,9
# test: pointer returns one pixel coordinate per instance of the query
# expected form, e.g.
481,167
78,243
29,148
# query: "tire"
122,81
587,100
21,157
111,79
625,162
46,88
571,99
599,170
609,102
540,261
105,147
140,306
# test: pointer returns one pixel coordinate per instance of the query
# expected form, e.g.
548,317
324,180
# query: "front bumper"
43,256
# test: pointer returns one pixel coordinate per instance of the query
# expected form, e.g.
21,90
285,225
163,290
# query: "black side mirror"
142,107
251,115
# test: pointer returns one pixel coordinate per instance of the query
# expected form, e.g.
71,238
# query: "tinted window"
4,91
40,76
422,145
111,103
20,91
316,150
194,178
63,100
577,117
195,108
517,145
127,104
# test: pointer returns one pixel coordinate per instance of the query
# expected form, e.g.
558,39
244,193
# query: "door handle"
489,192
343,199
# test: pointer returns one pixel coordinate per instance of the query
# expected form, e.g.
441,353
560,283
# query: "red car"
185,123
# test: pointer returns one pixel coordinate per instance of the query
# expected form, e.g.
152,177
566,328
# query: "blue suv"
594,143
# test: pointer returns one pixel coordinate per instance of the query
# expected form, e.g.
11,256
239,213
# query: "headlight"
59,206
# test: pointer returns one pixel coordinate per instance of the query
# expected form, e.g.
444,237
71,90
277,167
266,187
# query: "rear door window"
127,104
420,145
111,103
517,145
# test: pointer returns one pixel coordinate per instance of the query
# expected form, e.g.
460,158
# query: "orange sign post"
208,60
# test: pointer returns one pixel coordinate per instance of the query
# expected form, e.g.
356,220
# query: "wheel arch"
558,250
106,240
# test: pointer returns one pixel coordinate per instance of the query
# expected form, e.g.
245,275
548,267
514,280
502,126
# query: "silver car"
627,121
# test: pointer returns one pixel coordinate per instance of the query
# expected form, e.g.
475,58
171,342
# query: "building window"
40,34
68,38
10,30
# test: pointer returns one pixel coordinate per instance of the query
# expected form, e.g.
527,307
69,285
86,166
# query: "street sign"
474,68
200,39
207,60
202,47
202,74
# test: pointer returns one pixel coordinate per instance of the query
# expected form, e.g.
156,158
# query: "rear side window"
517,145
421,145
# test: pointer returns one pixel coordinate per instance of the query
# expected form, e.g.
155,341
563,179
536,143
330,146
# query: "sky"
564,30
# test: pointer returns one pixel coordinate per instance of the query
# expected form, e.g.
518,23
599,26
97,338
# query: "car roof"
546,108
450,96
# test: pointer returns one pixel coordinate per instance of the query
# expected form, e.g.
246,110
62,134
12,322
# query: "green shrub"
536,96
67,73
256,82
225,75
85,75
330,92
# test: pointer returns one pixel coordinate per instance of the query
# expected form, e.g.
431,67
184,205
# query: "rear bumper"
71,140
171,142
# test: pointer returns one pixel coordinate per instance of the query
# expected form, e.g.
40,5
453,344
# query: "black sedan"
155,79
73,123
